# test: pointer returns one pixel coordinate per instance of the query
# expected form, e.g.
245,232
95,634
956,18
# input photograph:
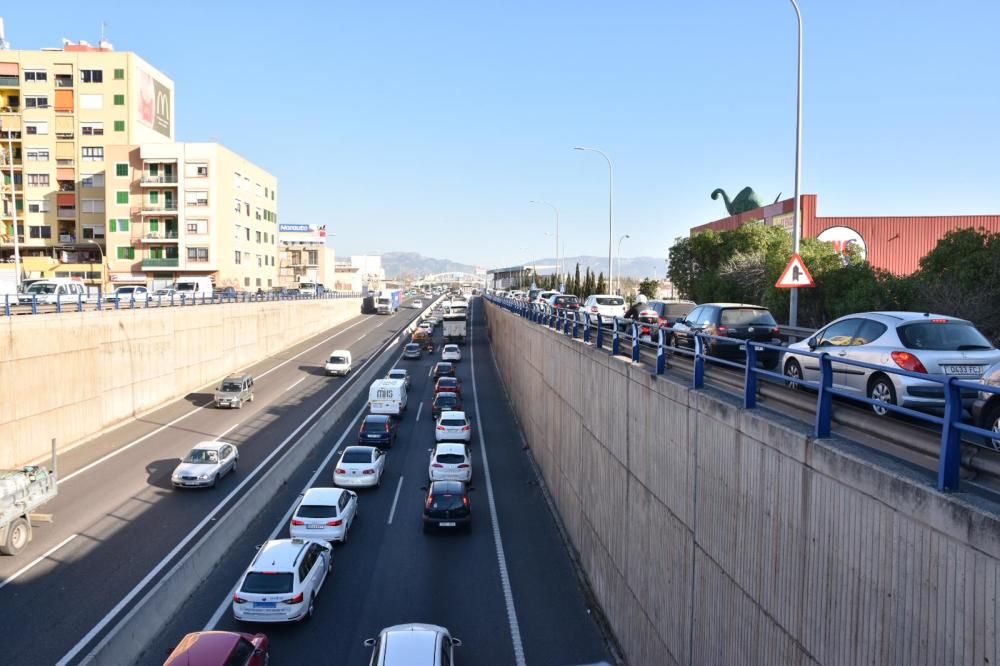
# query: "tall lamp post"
556,210
611,190
793,301
620,262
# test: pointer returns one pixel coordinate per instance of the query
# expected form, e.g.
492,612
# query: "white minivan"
194,287
387,396
52,290
339,363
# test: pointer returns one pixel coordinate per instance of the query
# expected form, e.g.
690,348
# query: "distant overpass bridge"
452,279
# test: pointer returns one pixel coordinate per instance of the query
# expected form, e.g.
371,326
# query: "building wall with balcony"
300,262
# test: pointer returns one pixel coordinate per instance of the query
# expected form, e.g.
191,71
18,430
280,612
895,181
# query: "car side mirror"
258,652
811,343
369,642
456,642
423,488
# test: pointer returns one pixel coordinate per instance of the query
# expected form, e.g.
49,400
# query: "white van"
387,396
339,363
307,288
52,290
194,287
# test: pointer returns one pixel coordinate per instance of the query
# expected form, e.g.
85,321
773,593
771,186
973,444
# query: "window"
119,100
154,197
92,180
196,198
93,231
197,254
38,179
154,224
126,252
91,101
238,256
246,282
92,75
839,334
265,191
119,74
40,232
38,206
120,224
119,125
259,261
237,180
313,257
36,101
121,170
192,228
35,75
258,237
237,205
272,195
93,205
258,213
246,183
196,169
869,332
93,153
92,129
38,154
248,233
17,179
247,209
259,189
36,128
121,197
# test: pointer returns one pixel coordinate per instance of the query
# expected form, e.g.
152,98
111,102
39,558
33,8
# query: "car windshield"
125,290
610,300
453,423
316,511
450,458
746,317
446,502
356,456
943,336
202,456
185,286
338,360
267,583
230,387
41,288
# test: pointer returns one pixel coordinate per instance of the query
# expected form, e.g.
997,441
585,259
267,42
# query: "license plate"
265,604
743,347
372,436
446,524
963,369
314,527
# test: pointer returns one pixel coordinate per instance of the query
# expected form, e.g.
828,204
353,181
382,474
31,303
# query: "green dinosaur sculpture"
746,200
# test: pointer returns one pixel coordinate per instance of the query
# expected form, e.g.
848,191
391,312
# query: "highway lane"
390,573
126,517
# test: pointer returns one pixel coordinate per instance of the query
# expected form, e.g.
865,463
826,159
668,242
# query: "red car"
222,648
448,385
444,369
447,401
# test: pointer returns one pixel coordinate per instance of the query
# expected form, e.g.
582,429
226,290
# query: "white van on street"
387,396
339,363
194,287
53,290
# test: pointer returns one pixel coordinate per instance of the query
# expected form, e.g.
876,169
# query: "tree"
648,288
588,283
602,287
577,287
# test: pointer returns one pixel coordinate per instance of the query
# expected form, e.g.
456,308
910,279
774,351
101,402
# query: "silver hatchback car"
938,345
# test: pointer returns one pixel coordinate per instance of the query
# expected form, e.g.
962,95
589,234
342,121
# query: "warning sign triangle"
795,275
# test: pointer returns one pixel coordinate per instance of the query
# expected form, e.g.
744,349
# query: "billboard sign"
302,233
843,240
154,103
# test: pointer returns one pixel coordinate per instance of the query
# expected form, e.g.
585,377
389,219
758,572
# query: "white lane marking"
294,385
163,427
227,431
395,499
419,409
183,543
27,567
508,595
361,338
379,324
430,371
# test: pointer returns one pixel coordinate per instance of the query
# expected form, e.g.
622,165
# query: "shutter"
63,173
8,69
64,100
64,150
64,124
66,199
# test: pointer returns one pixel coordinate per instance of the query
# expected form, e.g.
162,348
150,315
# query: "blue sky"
428,127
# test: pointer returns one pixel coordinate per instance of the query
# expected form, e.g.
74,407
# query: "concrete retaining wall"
717,535
72,375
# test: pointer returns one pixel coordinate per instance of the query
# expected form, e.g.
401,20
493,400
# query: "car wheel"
251,397
793,370
17,537
991,421
343,540
215,481
881,388
239,404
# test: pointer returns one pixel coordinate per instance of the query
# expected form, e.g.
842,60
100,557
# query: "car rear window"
450,458
447,502
338,359
448,381
316,511
444,399
454,423
267,583
451,348
610,301
950,336
567,299
676,309
356,457
746,317
412,347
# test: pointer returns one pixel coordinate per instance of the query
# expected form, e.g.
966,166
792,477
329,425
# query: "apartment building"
190,209
60,111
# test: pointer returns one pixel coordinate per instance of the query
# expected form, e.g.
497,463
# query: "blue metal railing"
951,424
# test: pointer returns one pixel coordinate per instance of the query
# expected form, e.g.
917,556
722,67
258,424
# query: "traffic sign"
795,275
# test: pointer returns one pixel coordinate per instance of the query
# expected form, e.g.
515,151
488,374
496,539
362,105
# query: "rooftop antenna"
4,44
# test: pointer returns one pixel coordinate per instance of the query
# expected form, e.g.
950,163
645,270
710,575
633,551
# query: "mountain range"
412,264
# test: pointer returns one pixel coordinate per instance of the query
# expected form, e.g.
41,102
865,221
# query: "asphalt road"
116,516
391,572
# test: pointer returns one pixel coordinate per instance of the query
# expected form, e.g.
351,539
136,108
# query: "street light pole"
611,189
558,265
620,262
793,303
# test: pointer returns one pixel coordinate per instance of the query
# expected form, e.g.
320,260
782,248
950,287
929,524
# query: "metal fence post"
79,302
34,304
6,305
661,353
58,303
750,383
950,457
824,401
203,297
615,339
600,333
566,322
586,327
183,298
576,324
100,300
698,379
635,342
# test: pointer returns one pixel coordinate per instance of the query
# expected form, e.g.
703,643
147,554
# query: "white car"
359,467
453,426
128,294
325,513
450,461
339,363
451,353
427,325
606,305
416,305
400,373
205,465
282,582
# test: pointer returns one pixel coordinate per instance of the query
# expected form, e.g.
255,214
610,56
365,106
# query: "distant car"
205,465
451,353
359,467
447,506
443,369
413,645
400,373
564,302
739,321
670,312
412,351
453,426
377,430
220,648
166,293
606,305
227,293
937,345
338,363
543,296
450,462
128,294
416,305
282,581
446,401
234,391
292,293
986,408
448,385
324,513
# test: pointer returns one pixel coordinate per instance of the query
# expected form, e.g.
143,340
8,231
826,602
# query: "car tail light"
721,329
465,501
437,465
429,502
939,321
387,426
335,523
776,330
440,427
908,361
340,471
297,599
237,599
296,521
593,308
466,428
464,466
368,471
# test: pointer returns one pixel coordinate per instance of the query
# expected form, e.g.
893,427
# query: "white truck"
454,326
21,492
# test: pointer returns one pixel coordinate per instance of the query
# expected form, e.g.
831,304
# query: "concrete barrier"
712,534
73,375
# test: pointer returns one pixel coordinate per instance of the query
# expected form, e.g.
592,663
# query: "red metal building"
895,243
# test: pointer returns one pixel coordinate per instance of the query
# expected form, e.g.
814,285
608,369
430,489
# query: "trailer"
388,301
21,492
454,326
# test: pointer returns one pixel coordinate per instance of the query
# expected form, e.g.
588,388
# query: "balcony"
8,81
66,212
158,180
157,237
162,262
64,80
157,208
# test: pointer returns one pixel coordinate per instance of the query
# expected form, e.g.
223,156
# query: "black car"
411,350
377,430
447,506
445,401
730,320
444,369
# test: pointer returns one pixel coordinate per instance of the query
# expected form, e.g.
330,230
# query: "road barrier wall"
73,375
713,534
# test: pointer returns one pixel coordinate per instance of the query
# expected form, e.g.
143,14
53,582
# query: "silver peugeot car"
932,344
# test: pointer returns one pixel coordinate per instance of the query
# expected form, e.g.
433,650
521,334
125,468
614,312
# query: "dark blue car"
377,430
